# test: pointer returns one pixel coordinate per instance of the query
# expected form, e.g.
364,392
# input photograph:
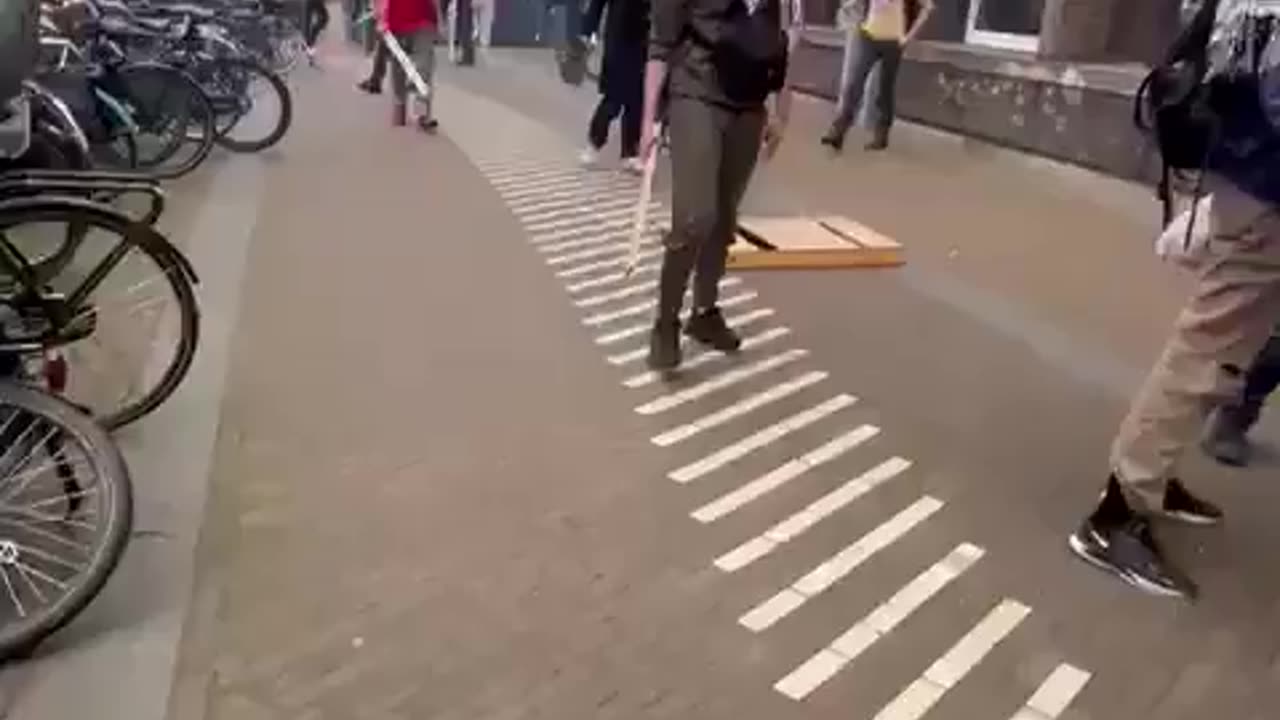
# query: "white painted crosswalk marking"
623,202
763,437
642,288
641,308
719,382
878,623
613,278
595,217
580,189
818,510
738,409
948,670
543,187
782,475
736,322
831,571
749,342
1055,694
619,226
590,240
568,199
620,261
642,328
612,248
502,179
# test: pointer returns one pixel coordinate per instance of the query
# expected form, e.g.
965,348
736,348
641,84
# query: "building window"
1009,24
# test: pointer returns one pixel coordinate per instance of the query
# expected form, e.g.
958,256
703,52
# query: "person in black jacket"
626,41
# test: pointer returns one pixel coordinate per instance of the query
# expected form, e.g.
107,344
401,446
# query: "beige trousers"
1229,319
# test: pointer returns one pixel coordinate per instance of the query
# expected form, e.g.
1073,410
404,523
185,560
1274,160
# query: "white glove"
1176,244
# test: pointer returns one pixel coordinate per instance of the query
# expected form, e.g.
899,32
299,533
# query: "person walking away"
889,26
723,65
482,12
849,18
378,71
316,19
1223,120
415,25
1227,439
621,83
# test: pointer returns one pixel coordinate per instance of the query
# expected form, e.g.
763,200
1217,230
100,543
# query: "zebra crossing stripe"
948,670
817,511
846,648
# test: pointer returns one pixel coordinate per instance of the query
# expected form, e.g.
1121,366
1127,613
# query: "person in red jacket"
415,24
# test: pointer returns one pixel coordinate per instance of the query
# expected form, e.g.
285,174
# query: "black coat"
626,44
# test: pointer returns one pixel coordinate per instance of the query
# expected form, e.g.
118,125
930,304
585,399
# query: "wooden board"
823,242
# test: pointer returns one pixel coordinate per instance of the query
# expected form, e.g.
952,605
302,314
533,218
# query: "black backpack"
1172,103
750,56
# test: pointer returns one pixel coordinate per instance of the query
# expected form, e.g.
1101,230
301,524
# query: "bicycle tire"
19,639
119,149
196,121
225,122
160,251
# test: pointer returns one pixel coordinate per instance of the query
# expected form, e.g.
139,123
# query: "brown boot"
399,114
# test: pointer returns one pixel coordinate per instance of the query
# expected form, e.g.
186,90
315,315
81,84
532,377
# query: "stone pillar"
1078,29
1142,30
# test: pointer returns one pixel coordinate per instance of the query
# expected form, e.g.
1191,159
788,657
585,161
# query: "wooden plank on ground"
825,242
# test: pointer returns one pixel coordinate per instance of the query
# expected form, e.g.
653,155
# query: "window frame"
996,39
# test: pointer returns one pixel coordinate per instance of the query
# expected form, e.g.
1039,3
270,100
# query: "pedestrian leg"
886,95
1218,335
1227,438
423,55
866,56
697,142
400,83
632,118
743,134
598,129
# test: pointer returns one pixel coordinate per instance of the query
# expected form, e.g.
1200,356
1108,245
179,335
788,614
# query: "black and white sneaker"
709,328
1129,551
1179,504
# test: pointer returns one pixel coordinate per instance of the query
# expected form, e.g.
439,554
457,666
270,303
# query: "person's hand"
774,130
648,140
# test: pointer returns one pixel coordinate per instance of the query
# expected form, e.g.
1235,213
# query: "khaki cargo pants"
1229,319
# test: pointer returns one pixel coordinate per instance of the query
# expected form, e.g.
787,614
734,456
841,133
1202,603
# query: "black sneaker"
709,328
833,141
877,145
1129,551
1179,504
664,346
369,87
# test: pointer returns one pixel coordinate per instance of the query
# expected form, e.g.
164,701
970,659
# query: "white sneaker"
633,165
589,157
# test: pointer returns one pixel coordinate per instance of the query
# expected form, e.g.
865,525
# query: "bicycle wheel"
243,94
129,321
66,510
117,149
172,115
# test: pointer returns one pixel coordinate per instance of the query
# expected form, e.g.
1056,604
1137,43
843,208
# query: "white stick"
410,71
642,208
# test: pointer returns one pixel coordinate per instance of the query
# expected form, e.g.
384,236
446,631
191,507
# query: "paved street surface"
431,478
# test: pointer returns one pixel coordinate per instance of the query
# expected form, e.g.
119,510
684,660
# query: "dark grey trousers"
867,54
713,153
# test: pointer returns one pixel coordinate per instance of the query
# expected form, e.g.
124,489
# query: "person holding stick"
413,26
724,66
